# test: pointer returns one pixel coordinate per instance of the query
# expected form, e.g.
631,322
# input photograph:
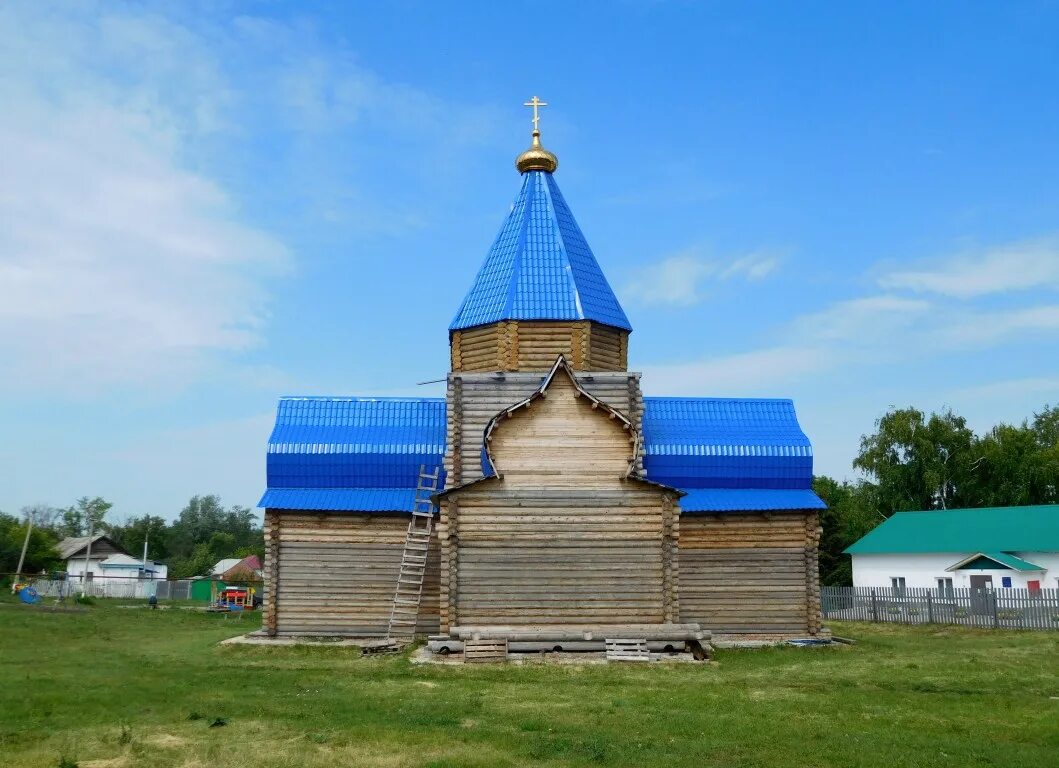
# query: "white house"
988,548
73,550
112,571
126,566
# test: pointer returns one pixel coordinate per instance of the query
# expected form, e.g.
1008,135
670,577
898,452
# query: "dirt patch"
113,762
165,741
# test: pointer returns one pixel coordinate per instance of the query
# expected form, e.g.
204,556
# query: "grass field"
121,687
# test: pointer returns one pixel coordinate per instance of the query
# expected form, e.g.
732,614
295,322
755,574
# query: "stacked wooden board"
487,650
627,649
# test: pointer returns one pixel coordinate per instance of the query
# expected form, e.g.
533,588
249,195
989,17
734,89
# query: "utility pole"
88,555
25,546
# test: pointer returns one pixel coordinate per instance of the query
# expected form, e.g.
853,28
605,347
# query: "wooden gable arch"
561,433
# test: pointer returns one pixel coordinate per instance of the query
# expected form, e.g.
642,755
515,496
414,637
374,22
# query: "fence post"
874,607
930,609
996,617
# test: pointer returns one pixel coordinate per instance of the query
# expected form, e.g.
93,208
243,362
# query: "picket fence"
996,608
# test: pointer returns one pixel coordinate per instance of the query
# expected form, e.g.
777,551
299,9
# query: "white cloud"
754,266
1011,267
984,329
1012,389
867,321
124,259
678,280
859,333
118,262
765,371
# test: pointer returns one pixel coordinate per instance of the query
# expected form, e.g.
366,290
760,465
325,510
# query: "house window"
897,583
945,588
1005,581
1034,585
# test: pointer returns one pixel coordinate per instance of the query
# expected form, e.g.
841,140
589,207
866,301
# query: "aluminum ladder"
405,609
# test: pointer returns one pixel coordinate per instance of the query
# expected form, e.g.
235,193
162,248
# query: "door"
982,595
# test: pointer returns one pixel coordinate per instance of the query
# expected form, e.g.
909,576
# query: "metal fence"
996,608
61,585
113,586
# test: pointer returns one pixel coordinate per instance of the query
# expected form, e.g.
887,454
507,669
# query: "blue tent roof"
364,454
540,267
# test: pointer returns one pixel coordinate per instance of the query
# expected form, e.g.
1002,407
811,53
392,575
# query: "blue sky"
204,207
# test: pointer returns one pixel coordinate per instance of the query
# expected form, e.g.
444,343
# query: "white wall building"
989,548
112,571
74,551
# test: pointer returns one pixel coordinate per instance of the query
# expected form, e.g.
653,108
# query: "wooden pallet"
480,651
373,647
633,649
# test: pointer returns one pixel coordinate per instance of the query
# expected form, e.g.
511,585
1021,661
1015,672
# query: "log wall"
608,349
475,398
527,345
335,573
561,557
750,573
561,441
560,536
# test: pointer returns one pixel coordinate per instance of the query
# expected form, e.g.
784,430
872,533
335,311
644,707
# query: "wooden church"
565,501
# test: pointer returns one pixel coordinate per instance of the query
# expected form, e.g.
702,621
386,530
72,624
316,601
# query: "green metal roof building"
990,547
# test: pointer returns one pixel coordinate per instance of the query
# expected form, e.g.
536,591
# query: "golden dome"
536,158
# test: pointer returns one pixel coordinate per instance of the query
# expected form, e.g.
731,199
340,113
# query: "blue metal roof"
540,267
696,442
340,499
748,500
351,452
364,454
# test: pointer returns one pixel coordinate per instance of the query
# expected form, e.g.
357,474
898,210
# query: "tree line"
204,532
917,462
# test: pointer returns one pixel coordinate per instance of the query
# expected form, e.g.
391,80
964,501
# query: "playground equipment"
232,598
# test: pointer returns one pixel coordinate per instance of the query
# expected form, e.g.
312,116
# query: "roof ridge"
579,308
360,398
520,244
975,509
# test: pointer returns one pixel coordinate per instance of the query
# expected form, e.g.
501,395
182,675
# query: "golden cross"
535,103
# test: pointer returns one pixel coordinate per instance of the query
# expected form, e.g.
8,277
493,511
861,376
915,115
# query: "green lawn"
118,687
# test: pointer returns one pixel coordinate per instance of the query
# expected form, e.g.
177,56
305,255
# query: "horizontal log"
685,631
